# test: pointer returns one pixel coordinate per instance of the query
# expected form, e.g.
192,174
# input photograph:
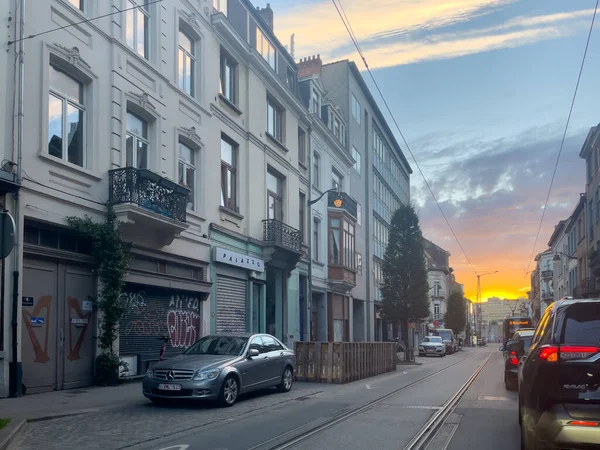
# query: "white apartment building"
335,264
438,277
558,243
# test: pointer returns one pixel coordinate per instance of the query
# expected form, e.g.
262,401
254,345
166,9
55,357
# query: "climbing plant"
112,255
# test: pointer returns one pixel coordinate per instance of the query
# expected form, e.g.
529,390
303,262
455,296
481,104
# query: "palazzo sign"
239,260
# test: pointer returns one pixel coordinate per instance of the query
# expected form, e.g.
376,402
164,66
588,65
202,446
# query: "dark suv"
559,379
512,352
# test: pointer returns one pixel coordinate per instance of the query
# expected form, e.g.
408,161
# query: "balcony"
349,205
547,274
151,208
588,288
594,258
340,279
283,244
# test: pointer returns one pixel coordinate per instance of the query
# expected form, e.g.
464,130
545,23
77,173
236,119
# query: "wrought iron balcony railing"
278,233
348,203
148,190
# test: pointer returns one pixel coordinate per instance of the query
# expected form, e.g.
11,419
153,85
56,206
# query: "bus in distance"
514,323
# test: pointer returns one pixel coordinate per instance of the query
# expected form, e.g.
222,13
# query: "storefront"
170,303
238,300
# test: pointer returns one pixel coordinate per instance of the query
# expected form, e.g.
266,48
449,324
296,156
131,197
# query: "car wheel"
229,391
287,380
509,384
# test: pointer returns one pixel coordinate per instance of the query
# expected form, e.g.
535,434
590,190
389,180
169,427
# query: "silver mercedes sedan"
221,367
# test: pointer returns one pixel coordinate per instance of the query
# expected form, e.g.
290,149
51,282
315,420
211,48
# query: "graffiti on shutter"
153,313
231,305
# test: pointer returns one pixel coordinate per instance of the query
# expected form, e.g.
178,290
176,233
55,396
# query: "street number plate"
169,387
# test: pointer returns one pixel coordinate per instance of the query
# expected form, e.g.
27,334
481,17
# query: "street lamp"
557,256
338,203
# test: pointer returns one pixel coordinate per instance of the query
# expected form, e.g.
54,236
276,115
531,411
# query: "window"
358,214
356,157
302,215
136,142
315,103
228,174
301,146
66,118
436,312
228,77
187,171
316,238
274,196
220,6
359,264
79,4
266,49
137,22
356,113
337,128
186,63
274,120
316,164
336,180
291,79
341,242
436,288
582,324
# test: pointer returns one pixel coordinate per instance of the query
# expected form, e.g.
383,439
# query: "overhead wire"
348,27
91,19
562,142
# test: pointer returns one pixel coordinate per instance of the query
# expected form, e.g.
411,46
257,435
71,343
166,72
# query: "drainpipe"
309,303
15,365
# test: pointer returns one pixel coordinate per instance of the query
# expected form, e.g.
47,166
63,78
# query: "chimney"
310,66
266,14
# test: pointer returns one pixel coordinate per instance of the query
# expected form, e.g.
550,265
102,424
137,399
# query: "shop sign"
239,260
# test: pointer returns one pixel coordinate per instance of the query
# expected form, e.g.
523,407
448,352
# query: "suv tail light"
552,353
513,358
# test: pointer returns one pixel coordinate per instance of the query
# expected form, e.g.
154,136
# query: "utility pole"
478,311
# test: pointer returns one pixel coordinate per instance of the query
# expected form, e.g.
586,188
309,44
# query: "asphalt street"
265,419
487,414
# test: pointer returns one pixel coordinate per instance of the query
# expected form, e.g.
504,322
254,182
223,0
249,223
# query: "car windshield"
218,345
433,339
445,335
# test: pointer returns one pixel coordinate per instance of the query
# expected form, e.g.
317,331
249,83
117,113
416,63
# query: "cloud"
493,198
406,33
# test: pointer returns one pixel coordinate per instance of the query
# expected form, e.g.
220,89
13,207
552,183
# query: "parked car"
448,338
222,367
559,378
512,353
432,345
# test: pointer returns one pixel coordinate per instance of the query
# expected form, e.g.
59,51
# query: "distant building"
438,277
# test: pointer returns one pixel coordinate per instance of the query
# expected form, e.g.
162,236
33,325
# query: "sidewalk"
50,405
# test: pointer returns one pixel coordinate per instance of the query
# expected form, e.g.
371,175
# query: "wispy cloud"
493,199
396,32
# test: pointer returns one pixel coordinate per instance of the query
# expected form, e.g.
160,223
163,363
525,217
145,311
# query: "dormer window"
315,102
266,49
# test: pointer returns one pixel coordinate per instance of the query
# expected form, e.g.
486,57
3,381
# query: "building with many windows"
379,185
439,279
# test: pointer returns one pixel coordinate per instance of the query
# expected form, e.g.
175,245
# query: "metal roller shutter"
153,313
231,305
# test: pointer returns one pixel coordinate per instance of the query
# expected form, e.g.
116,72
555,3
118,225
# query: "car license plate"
169,387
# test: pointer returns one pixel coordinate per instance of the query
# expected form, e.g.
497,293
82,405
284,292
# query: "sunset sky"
481,90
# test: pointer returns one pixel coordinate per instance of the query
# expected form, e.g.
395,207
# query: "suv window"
582,324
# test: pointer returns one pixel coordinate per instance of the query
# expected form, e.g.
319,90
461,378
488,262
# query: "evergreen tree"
456,313
405,289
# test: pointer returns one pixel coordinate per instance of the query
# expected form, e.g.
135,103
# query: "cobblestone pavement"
126,425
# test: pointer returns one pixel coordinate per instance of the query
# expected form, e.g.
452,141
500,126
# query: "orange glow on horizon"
511,285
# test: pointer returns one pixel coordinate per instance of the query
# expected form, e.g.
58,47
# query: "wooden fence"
343,362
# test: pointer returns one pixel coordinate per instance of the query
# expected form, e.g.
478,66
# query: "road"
383,412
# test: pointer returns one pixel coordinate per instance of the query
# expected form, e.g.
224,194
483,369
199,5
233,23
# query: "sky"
481,90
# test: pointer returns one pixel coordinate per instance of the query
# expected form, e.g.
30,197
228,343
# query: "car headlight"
149,373
207,374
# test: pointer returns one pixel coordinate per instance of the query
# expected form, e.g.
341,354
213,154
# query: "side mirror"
502,348
514,345
252,353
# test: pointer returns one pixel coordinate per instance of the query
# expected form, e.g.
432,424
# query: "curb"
8,434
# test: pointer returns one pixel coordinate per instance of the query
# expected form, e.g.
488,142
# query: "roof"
558,229
437,257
